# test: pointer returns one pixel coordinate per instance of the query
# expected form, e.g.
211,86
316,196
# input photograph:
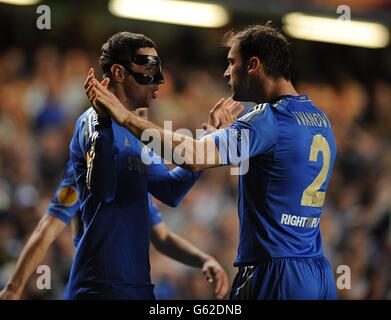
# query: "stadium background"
41,95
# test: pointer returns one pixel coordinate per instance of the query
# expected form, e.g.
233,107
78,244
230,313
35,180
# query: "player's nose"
227,74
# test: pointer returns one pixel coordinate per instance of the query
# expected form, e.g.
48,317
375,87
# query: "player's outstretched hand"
103,101
223,114
215,274
88,86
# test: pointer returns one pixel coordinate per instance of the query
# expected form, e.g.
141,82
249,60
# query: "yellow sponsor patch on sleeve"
68,196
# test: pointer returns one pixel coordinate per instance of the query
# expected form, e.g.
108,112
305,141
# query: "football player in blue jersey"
112,257
285,148
64,209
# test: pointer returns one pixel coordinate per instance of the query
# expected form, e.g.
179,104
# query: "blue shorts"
286,279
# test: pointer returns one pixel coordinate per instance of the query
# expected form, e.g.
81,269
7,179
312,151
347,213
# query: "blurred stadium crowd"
42,95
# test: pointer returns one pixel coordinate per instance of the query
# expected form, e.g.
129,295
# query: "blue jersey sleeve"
65,203
94,156
170,186
254,133
154,212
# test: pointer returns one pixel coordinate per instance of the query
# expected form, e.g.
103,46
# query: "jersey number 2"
312,197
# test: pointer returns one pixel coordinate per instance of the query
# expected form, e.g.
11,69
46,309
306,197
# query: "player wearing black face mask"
146,69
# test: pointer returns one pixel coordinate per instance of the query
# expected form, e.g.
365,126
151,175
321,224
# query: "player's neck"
122,97
281,87
273,88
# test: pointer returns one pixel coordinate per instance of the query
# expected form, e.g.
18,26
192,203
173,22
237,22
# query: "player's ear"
254,64
118,72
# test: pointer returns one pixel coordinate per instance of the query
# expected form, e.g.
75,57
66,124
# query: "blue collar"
299,98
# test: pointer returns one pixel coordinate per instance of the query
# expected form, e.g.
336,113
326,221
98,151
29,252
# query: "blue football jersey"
288,149
112,258
65,205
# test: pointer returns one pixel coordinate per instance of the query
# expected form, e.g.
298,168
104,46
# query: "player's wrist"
207,258
128,118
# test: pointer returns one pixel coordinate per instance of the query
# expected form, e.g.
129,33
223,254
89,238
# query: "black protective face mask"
147,69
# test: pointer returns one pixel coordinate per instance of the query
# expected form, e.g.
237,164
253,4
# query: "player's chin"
148,101
236,93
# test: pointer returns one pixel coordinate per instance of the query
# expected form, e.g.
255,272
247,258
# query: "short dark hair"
266,43
120,47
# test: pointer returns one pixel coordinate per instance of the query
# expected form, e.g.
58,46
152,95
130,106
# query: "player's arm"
183,251
93,155
178,248
191,159
171,186
101,162
199,154
32,255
